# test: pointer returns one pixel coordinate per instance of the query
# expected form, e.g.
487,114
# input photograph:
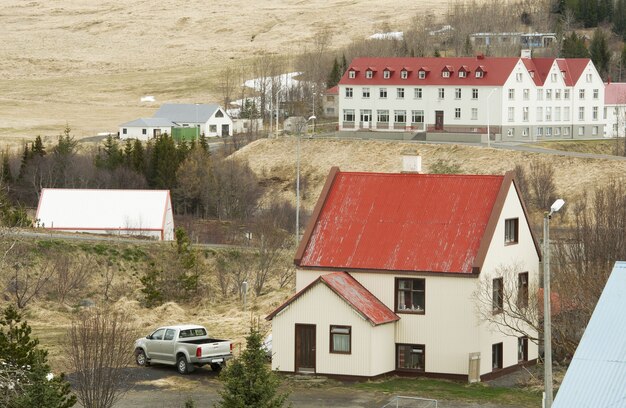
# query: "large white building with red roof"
517,98
390,273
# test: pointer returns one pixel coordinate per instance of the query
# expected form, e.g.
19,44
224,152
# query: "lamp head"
556,206
311,118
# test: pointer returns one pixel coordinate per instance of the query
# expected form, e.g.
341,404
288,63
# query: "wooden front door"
305,348
438,120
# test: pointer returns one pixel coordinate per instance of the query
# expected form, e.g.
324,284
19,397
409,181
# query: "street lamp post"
312,117
488,116
547,311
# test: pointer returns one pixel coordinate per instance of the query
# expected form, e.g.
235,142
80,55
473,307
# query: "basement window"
410,357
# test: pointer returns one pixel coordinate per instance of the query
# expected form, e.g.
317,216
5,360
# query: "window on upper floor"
349,92
540,94
410,295
548,94
510,230
589,77
553,77
462,74
581,113
386,74
366,93
410,357
351,74
478,74
445,74
594,113
442,93
557,94
457,93
525,113
340,339
522,290
581,94
526,94
511,94
457,113
369,74
400,93
566,94
474,93
497,295
382,93
539,113
421,74
404,74
519,77
548,113
417,93
511,113
596,93
474,113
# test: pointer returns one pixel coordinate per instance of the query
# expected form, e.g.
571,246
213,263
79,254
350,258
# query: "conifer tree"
574,47
334,76
599,51
37,147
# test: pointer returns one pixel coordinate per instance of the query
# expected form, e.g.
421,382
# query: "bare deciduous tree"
70,274
98,349
518,313
541,181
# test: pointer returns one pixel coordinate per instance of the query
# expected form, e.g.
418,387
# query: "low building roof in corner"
351,291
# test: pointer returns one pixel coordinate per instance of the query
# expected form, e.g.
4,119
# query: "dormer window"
479,74
462,74
445,74
351,74
369,74
386,74
421,74
404,74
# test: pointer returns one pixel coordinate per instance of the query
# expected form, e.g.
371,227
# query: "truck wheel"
140,358
217,367
183,366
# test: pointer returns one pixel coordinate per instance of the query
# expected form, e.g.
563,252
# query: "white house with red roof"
615,109
388,276
517,98
330,102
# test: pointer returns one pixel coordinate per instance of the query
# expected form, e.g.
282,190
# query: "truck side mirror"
149,337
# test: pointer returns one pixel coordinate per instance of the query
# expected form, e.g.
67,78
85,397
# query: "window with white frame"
399,116
417,93
581,130
565,131
581,113
510,132
404,74
382,116
539,131
525,113
462,74
369,74
479,74
594,113
519,77
349,92
566,94
596,93
525,132
417,116
366,115
548,132
540,94
366,93
474,93
557,131
548,113
589,77
400,93
351,74
511,94
457,113
566,113
548,94
511,113
386,74
526,94
605,112
594,130
553,77
539,113
474,113
442,93
348,115
445,74
557,94
421,74
581,94
457,93
557,113
382,93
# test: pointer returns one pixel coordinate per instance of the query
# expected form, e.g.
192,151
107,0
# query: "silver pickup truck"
186,346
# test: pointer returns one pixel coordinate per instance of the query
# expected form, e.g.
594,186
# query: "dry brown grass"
88,63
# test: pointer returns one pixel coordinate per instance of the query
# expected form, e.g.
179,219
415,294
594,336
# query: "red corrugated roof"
333,91
355,294
497,70
615,93
401,222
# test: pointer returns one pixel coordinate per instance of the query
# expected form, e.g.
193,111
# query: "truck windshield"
192,332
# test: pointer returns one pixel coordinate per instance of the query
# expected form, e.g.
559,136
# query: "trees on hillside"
599,52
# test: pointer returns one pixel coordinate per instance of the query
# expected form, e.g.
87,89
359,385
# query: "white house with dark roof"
145,128
146,213
389,273
211,119
517,98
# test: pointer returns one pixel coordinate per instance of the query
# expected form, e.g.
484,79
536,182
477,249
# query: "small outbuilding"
146,213
145,128
210,118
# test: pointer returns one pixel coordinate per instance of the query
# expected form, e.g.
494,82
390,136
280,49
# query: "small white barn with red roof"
388,272
615,109
146,213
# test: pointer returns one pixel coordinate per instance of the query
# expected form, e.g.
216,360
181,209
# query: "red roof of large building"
495,71
355,294
615,93
403,222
